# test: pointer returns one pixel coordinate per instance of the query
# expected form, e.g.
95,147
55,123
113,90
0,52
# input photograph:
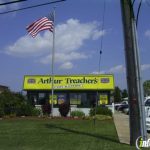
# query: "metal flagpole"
53,56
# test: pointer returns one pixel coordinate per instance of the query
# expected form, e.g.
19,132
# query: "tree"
14,103
124,93
146,86
117,94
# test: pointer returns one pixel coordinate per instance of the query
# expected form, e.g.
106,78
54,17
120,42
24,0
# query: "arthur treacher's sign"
69,81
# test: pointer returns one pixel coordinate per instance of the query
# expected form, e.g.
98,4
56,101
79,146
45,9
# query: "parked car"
121,104
122,107
147,111
126,110
148,123
147,106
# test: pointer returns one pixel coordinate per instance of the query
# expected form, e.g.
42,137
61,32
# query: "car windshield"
124,102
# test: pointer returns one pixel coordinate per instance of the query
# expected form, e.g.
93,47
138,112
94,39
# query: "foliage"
24,110
117,94
14,104
146,86
1,112
100,110
124,93
36,112
77,113
64,109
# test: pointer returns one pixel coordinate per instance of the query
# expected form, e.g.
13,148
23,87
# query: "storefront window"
32,97
61,98
41,98
78,99
58,98
75,99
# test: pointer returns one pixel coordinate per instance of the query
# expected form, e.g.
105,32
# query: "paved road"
122,126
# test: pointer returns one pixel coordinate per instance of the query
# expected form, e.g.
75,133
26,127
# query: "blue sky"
78,37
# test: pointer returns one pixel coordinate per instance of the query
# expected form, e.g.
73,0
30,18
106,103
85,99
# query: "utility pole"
135,90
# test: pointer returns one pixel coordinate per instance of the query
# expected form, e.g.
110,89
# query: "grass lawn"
58,134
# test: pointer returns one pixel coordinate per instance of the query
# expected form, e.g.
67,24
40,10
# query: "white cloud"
120,69
62,57
27,46
117,69
70,37
98,34
8,7
97,72
147,33
67,65
145,67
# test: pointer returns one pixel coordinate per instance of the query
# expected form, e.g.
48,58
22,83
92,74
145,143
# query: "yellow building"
84,91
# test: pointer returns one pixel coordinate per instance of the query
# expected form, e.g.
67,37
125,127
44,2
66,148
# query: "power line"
7,3
33,6
137,16
101,44
133,2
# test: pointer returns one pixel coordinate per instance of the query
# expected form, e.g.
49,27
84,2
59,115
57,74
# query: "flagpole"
53,56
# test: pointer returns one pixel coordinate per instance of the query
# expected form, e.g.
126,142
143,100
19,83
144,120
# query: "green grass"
58,134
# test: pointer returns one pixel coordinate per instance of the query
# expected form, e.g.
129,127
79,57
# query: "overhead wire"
138,12
133,2
12,2
29,7
102,29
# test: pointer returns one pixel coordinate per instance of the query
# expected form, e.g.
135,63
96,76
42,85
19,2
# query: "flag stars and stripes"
42,24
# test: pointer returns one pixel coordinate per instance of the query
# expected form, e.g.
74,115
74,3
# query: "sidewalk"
122,126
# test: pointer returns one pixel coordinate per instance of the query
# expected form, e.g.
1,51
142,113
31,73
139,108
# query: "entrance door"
91,97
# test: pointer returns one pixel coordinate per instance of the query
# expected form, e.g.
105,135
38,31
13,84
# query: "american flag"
45,23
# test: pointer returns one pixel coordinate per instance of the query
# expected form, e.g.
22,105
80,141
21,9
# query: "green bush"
24,110
77,113
100,111
1,112
12,104
36,112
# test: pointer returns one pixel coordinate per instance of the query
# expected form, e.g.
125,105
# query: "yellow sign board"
69,82
103,99
54,99
75,101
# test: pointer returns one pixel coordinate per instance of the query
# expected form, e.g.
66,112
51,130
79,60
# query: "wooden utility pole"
135,90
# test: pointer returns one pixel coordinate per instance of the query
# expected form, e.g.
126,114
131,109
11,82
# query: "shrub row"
100,110
14,104
77,113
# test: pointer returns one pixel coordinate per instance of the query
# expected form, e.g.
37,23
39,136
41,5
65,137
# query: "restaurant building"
80,91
